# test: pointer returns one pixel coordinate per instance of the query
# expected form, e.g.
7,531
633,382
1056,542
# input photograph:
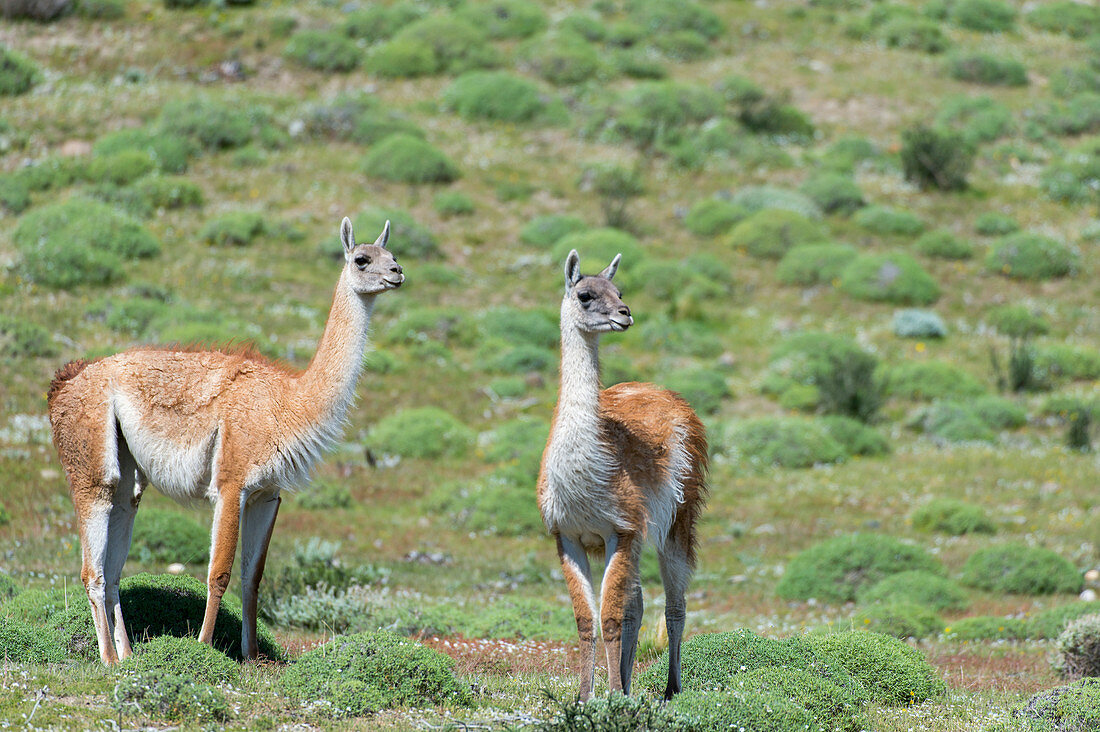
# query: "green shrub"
170,152
545,231
929,380
23,339
812,264
450,204
528,327
168,192
788,442
832,706
942,244
918,587
1049,624
15,196
364,673
155,605
894,277
314,564
584,25
837,569
17,74
666,16
977,119
121,167
21,642
1030,256
985,628
998,412
403,158
504,18
494,95
848,152
914,34
992,223
1017,321
9,588
356,117
171,697
182,657
498,504
953,422
899,619
834,193
1065,16
772,232
421,432
1063,360
597,247
761,198
713,216
37,607
323,50
915,323
953,517
893,673
379,22
238,228
841,372
657,113
984,16
889,221
1074,178
932,158
1020,569
167,536
703,388
521,359
407,237
211,124
562,59
983,68
324,495
616,712
855,437
1071,708
1078,649
449,326
432,45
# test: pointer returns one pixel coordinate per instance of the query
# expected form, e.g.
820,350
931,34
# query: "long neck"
579,392
330,379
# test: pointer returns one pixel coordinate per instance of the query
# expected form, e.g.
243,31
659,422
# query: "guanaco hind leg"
632,623
120,530
578,577
676,571
258,514
223,547
619,577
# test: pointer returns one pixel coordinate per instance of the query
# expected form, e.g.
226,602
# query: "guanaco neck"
579,388
328,383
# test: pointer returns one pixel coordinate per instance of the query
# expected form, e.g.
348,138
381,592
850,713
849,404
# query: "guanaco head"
594,304
371,267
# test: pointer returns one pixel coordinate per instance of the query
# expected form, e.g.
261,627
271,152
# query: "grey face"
372,267
596,303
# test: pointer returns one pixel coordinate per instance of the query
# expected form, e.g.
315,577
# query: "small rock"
1092,576
74,148
1087,595
49,474
175,568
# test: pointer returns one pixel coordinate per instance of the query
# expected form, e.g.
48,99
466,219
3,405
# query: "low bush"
17,74
915,323
992,223
448,326
834,193
15,196
1065,16
420,432
899,619
314,564
364,673
323,50
404,158
1078,648
598,247
976,119
986,628
656,114
914,34
841,373
450,204
953,517
984,16
185,657
211,124
894,278
998,412
1063,360
237,228
167,536
856,437
170,152
21,642
836,708
323,495
664,16
846,153
379,22
407,237
495,95
683,45
504,18
894,673
771,233
813,264
943,244
918,587
889,221
713,216
121,167
614,712
1020,569
762,198
1030,256
434,44
929,380
616,186
521,359
527,327
546,231
984,68
1049,624
933,158
562,59
1071,708
171,697
497,504
703,388
9,588
24,339
787,442
1017,321
838,568
952,422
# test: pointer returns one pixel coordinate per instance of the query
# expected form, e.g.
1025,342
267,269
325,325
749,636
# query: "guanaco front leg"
227,519
619,577
257,520
578,577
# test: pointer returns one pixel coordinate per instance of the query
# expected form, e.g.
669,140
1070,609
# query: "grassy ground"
99,77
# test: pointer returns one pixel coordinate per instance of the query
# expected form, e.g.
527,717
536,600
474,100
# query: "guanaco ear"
384,236
612,268
572,268
346,235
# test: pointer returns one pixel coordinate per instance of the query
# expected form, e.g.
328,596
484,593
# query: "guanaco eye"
584,296
362,260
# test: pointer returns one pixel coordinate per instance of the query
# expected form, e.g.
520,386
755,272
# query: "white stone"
175,568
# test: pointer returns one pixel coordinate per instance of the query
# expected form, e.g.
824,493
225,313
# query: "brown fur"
65,374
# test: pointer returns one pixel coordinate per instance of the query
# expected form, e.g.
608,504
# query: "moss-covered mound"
21,642
182,657
919,587
1020,569
1072,708
838,709
364,673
